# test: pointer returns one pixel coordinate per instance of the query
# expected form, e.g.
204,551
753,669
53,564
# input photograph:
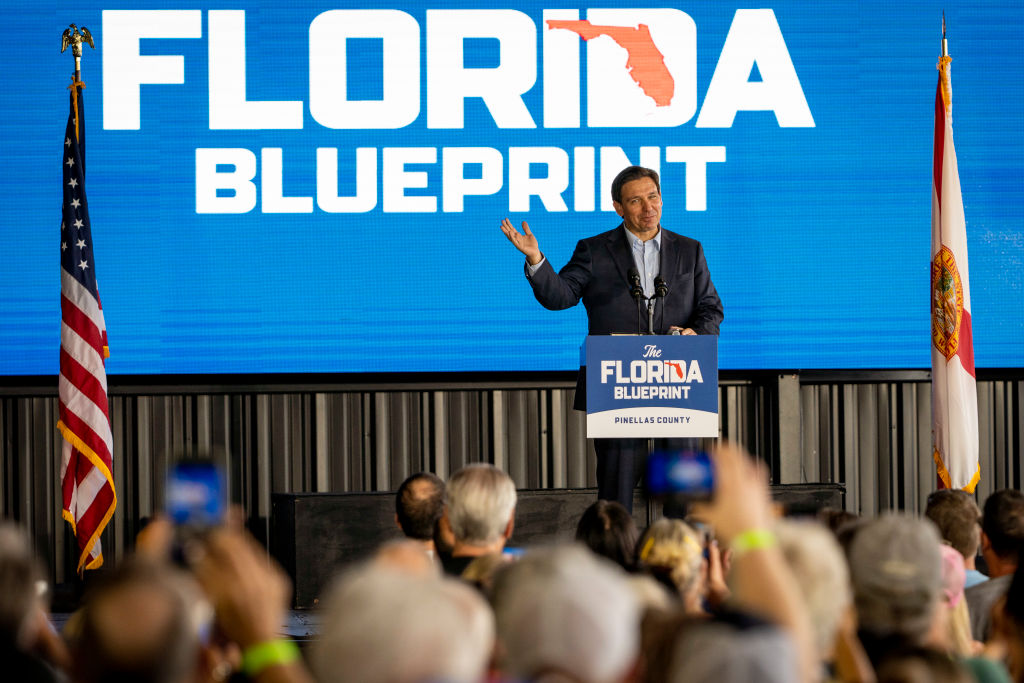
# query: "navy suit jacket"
598,271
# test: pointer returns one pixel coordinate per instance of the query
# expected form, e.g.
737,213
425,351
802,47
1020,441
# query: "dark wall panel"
872,436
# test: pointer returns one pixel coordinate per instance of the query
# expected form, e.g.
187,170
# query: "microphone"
660,287
635,288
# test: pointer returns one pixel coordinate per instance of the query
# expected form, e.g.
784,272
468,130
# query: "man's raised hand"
523,241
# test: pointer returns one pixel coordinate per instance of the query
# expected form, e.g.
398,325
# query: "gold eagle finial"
74,37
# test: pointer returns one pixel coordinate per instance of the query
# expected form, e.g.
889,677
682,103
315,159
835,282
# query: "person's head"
817,563
480,505
608,529
563,610
957,621
953,576
715,650
141,623
419,503
1002,522
480,572
672,552
956,515
1008,622
19,574
1014,605
636,196
896,572
382,626
836,519
921,665
444,539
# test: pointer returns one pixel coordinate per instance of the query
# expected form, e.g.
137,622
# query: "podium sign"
652,386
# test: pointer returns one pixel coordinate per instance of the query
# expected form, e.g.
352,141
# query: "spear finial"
945,47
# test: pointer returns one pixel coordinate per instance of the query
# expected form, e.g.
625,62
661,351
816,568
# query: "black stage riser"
313,535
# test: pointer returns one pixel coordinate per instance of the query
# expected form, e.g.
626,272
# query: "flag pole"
88,496
944,60
954,381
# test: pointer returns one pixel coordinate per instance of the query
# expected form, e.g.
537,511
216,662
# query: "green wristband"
261,656
752,539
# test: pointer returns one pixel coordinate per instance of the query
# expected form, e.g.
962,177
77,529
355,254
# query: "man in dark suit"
599,274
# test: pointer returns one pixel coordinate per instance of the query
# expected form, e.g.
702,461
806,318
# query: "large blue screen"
293,187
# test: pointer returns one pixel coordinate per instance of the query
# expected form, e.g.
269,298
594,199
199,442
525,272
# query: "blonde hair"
480,572
672,547
959,625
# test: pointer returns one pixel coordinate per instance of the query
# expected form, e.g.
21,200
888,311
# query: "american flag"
87,484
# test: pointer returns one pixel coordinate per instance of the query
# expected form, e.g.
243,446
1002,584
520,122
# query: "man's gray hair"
383,626
481,500
564,611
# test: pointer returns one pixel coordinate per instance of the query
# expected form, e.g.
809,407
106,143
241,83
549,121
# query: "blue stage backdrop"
293,187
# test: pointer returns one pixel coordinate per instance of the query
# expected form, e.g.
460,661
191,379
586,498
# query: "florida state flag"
954,389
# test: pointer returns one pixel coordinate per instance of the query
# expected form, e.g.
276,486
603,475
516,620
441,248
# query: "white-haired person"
816,560
480,506
564,614
385,625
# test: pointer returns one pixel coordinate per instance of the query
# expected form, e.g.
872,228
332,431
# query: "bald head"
418,505
140,625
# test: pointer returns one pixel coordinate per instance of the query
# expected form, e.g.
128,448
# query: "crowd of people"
734,592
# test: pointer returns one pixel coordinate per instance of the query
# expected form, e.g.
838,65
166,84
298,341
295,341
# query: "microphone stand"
660,292
637,292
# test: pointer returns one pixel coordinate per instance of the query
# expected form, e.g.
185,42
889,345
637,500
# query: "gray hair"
383,626
565,610
19,572
481,500
818,564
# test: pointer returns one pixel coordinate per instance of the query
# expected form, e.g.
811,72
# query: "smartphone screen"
686,474
195,494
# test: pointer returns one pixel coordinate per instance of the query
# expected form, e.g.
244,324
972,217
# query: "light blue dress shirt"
647,257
